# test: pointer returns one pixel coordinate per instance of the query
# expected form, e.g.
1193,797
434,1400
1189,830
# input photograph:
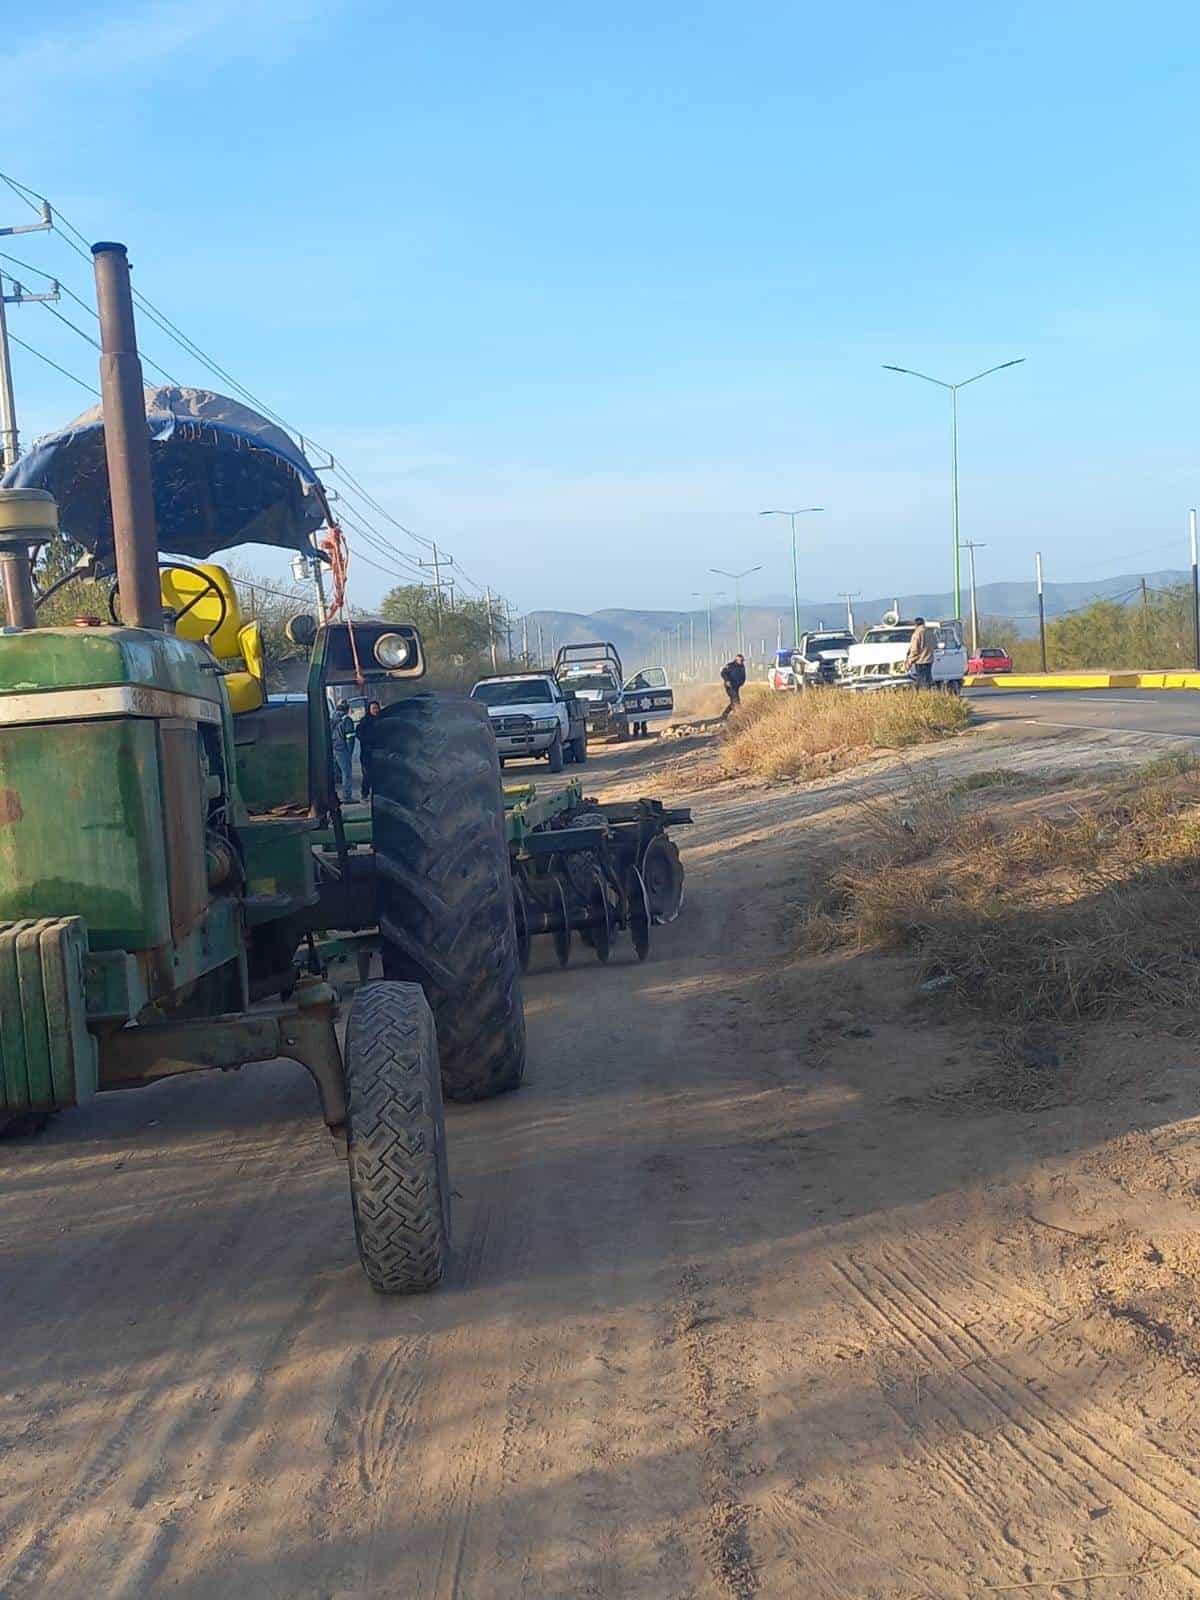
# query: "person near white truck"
532,715
885,658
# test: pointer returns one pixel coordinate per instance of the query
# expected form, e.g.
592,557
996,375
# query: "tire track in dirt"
711,1392
1003,1406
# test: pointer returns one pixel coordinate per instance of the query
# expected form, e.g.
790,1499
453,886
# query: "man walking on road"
920,655
733,676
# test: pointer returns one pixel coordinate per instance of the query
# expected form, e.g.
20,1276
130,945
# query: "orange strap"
334,545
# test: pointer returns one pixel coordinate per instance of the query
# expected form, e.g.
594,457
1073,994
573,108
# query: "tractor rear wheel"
399,1182
445,886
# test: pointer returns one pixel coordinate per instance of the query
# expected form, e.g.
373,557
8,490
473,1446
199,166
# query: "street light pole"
910,372
737,597
791,516
708,598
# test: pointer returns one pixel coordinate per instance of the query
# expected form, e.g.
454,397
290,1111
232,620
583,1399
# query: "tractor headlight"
393,651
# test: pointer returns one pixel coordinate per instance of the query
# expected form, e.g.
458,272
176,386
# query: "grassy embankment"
1085,914
811,735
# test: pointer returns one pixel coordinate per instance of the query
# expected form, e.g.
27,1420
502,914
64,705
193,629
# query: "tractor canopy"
222,475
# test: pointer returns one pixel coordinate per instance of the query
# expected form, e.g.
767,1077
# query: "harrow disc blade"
600,923
562,934
521,918
639,912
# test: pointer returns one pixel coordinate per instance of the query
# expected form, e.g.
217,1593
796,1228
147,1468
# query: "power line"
66,289
355,519
77,242
22,193
74,327
40,272
14,340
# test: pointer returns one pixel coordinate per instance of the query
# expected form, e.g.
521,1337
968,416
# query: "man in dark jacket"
733,676
367,729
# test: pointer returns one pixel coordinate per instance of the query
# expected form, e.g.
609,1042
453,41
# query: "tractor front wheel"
444,886
399,1182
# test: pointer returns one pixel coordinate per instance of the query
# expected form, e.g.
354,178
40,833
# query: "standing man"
341,739
733,676
367,729
919,660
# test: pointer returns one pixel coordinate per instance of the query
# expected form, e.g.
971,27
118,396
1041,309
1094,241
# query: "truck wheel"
579,749
399,1182
663,872
557,759
444,886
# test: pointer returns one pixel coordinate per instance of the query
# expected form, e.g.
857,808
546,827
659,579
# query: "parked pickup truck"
615,706
878,662
532,715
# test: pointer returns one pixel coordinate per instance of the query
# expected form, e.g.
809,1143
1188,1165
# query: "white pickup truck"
878,661
531,715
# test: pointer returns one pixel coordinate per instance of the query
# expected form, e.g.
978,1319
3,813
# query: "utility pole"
438,562
9,440
491,619
1146,624
972,545
692,642
9,443
541,660
1041,608
524,641
849,596
1195,593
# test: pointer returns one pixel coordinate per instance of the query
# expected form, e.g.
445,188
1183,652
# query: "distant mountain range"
640,635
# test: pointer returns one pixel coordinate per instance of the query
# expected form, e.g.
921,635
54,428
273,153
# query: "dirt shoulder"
740,1304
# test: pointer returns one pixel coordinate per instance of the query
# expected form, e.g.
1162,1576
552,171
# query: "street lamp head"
911,372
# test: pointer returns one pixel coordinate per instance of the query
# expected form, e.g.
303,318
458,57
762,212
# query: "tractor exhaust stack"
126,443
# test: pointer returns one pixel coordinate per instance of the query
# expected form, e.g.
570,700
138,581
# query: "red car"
989,660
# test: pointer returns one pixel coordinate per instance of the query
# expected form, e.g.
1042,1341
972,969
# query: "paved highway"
1164,711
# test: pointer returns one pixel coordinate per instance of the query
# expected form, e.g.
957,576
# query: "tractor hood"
222,476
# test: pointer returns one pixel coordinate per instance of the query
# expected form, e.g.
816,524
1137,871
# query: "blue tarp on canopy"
222,476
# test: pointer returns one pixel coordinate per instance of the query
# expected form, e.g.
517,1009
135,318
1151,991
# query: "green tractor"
172,848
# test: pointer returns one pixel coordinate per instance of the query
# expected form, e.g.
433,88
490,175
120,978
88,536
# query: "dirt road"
733,1310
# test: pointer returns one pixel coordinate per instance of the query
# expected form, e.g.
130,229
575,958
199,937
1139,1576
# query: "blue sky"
577,290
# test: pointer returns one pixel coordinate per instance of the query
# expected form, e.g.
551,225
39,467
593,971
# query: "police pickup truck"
615,707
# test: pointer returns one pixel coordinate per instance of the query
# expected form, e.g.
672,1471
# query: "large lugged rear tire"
445,886
399,1182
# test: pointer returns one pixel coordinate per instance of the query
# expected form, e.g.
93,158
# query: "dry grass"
1087,914
810,735
701,702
